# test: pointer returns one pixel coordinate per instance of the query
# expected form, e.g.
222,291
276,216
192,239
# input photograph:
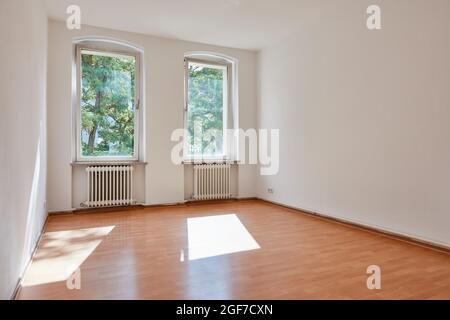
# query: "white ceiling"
245,24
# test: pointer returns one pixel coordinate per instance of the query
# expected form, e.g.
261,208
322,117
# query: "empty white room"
225,150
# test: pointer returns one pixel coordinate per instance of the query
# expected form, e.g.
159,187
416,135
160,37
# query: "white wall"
23,164
364,116
164,181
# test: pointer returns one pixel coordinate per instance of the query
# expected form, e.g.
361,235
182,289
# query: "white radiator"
212,181
109,186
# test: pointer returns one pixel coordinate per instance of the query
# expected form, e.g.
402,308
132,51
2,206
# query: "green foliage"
205,116
107,105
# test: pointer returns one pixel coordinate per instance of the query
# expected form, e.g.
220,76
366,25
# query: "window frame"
226,156
137,105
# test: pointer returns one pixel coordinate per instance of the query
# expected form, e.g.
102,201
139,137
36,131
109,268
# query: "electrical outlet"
270,190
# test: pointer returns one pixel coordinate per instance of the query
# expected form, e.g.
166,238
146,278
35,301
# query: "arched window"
210,107
107,100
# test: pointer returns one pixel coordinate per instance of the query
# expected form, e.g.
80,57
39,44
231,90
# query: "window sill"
206,161
107,163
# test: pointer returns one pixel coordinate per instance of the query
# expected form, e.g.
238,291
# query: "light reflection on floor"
217,235
61,253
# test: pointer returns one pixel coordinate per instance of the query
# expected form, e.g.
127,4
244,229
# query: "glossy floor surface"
234,250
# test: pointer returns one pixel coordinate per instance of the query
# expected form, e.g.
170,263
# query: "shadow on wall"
36,213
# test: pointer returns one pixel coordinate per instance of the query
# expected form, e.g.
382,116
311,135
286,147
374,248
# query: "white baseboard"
365,225
50,212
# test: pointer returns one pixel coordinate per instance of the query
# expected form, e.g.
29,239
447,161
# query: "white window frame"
137,106
226,156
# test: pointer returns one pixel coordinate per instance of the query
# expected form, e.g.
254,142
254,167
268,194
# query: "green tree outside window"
107,105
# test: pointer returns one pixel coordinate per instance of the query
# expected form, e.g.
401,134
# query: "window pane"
107,104
207,100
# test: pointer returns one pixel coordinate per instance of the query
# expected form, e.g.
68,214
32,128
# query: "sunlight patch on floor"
61,253
217,235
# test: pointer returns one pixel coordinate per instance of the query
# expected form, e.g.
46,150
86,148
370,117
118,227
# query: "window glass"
207,90
107,106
